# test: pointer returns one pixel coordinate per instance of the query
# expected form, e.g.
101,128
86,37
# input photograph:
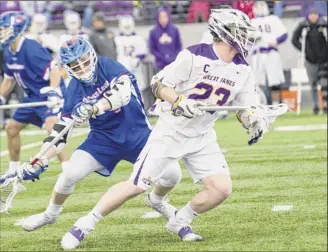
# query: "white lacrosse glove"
82,112
54,96
257,129
187,107
255,123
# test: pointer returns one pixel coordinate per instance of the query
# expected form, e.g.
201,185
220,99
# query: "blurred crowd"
164,42
182,11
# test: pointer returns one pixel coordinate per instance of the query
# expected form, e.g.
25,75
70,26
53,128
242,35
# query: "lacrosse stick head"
8,191
271,112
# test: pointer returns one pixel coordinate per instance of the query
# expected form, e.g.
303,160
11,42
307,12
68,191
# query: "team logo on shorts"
147,181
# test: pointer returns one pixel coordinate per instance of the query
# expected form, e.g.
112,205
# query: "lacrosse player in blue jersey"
34,69
104,93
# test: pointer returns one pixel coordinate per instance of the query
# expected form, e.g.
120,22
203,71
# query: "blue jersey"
128,124
30,66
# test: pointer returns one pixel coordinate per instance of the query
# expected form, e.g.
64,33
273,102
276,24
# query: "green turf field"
276,171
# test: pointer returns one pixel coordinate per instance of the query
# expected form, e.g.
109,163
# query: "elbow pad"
156,87
123,85
60,145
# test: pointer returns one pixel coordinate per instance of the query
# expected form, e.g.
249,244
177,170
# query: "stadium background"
288,167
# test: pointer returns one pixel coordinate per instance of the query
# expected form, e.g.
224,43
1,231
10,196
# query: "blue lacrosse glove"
32,172
83,111
54,96
2,100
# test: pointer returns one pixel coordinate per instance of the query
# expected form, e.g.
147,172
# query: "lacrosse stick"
213,108
13,185
31,104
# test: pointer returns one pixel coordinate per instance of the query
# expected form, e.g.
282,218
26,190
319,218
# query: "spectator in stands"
33,7
198,11
164,40
244,6
102,39
314,29
72,22
207,36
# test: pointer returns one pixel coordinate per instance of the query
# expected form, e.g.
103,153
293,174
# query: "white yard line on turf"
76,133
281,208
301,127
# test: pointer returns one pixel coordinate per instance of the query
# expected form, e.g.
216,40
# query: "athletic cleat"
183,231
165,209
10,173
36,221
75,235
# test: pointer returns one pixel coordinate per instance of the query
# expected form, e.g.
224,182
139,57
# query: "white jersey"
199,74
47,40
207,38
270,29
129,50
67,36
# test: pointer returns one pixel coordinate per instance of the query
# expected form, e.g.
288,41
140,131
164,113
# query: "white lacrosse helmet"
261,9
72,22
126,25
234,28
39,23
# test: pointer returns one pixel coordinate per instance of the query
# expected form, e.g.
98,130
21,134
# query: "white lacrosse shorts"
268,67
201,155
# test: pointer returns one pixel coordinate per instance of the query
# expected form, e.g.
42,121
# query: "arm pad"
157,86
60,145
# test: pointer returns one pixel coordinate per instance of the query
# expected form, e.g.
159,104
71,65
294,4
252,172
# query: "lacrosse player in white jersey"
131,48
266,61
201,75
38,31
72,22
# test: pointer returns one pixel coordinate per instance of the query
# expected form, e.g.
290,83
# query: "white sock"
94,217
65,165
13,166
186,214
53,210
154,198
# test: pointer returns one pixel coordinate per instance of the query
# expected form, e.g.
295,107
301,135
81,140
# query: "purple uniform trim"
239,60
184,231
77,233
265,49
204,50
141,56
139,171
282,38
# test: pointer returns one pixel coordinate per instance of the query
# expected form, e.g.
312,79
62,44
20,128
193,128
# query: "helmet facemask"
234,29
6,32
84,68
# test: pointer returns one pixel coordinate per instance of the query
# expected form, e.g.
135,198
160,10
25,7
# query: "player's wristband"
176,109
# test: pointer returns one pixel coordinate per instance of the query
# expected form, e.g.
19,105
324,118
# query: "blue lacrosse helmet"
12,25
79,59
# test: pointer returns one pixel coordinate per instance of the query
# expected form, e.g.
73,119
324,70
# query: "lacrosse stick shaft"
27,105
215,108
52,143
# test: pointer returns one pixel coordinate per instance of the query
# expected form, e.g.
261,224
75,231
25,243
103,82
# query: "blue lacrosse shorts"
32,115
